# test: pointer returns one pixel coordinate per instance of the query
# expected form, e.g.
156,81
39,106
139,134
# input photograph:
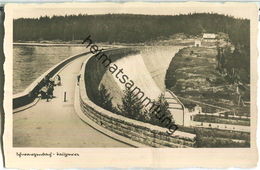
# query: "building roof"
209,36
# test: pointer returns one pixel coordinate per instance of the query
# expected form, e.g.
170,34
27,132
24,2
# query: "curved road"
55,123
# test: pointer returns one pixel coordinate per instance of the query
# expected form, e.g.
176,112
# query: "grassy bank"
192,74
207,137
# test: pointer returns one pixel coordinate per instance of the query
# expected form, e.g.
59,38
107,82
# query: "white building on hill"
209,37
197,43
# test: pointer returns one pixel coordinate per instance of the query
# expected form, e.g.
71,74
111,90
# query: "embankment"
193,74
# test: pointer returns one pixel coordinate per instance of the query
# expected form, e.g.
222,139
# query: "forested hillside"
128,28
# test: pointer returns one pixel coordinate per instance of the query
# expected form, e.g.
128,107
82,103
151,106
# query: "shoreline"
44,44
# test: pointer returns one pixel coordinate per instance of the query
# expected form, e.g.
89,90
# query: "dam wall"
157,61
146,69
92,73
96,70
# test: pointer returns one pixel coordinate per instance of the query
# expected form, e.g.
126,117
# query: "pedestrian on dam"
52,82
43,93
58,80
78,79
50,90
46,80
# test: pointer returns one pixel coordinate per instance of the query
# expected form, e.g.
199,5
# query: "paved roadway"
55,123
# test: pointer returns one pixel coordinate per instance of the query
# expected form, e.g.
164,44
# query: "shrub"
131,106
104,99
161,112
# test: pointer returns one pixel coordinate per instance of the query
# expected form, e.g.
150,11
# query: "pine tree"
104,99
160,112
131,106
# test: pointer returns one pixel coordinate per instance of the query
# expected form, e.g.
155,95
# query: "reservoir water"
29,62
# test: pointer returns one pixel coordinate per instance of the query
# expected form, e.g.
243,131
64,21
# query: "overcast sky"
152,9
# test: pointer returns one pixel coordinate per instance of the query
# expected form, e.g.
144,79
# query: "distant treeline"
129,28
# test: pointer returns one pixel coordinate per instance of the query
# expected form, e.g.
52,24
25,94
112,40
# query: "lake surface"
32,61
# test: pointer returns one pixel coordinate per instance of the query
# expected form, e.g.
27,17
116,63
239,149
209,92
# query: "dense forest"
129,28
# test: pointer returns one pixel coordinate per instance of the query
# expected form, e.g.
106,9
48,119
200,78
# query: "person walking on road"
58,80
78,79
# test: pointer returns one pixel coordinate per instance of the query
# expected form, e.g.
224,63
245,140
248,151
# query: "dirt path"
55,123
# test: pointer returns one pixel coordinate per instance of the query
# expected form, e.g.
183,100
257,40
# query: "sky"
30,11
